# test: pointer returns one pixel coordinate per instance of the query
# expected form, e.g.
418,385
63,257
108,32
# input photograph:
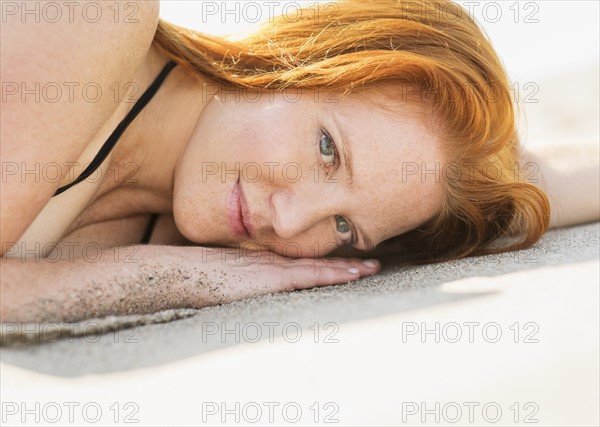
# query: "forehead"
397,161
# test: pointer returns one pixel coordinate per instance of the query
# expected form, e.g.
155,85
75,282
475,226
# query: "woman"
383,121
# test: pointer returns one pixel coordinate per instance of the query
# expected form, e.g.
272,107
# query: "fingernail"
352,270
372,263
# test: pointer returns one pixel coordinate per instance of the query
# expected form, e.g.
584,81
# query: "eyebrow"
348,164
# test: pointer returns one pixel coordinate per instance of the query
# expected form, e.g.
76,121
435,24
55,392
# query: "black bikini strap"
114,137
149,229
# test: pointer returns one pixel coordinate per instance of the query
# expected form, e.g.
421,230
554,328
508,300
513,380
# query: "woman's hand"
228,275
151,278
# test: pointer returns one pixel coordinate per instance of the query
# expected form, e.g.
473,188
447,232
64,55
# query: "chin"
185,224
194,229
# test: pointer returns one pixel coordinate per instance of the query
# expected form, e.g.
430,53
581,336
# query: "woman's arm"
570,177
568,174
48,118
145,279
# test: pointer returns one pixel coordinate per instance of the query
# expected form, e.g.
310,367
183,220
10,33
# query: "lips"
235,214
245,213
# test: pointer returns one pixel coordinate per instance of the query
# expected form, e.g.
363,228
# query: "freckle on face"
275,132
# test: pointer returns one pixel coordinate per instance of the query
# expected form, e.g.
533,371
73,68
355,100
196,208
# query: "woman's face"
301,174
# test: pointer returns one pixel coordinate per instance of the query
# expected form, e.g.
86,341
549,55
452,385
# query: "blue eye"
327,149
344,228
328,152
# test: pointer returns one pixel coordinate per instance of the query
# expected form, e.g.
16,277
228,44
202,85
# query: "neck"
158,137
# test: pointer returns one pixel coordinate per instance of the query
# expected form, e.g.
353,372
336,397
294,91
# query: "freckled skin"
179,134
264,136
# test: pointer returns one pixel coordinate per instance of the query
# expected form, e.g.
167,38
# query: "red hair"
443,59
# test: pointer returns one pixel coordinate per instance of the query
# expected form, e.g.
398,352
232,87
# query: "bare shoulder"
75,42
65,69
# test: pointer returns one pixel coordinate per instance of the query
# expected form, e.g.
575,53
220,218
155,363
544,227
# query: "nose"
295,212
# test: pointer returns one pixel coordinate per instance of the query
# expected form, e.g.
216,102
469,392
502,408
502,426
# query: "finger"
366,267
281,280
366,264
310,276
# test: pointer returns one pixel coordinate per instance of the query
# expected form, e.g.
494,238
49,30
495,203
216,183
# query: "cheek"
269,127
268,140
313,243
265,130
